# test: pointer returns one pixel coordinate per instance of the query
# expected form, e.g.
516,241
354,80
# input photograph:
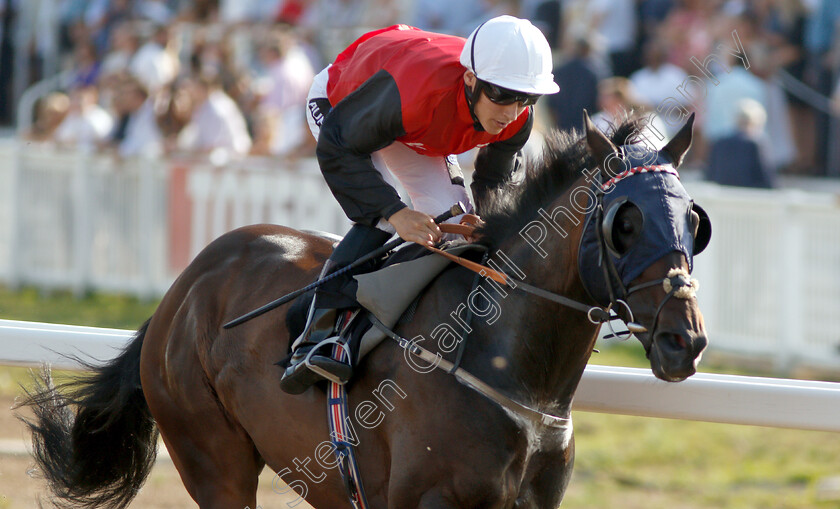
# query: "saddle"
376,293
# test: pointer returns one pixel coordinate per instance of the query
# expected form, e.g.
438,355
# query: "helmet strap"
472,95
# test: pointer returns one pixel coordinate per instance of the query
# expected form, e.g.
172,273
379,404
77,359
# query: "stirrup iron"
307,361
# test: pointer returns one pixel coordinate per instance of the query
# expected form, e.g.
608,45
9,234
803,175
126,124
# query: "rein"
596,314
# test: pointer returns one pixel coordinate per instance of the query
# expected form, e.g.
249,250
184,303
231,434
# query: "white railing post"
790,242
146,202
13,279
81,222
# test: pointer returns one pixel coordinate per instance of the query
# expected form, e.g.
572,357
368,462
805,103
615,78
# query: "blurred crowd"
149,77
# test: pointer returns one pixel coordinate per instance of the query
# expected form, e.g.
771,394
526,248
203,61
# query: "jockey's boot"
311,359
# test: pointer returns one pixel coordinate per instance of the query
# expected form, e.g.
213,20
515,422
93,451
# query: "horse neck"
548,345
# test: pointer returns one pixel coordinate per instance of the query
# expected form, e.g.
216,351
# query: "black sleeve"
367,120
496,162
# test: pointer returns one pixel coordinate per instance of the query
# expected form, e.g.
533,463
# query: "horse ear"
680,143
599,145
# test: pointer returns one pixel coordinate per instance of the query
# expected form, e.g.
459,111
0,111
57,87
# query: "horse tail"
100,454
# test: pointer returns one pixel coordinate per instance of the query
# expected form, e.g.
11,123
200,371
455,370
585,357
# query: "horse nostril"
671,342
700,344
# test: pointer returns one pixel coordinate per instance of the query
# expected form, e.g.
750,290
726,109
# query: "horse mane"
565,156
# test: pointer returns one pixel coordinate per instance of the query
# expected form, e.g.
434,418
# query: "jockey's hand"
414,226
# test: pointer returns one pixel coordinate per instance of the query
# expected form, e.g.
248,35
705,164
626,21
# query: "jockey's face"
494,118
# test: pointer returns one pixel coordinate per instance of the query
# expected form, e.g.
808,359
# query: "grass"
622,462
639,462
95,309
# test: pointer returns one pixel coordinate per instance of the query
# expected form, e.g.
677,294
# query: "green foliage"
94,309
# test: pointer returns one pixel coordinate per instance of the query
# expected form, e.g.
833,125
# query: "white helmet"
510,53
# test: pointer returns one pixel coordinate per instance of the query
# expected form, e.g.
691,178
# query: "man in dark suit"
578,88
736,160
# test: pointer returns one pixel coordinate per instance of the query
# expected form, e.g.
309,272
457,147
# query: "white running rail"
730,399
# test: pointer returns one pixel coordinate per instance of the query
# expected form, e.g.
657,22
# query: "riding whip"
455,210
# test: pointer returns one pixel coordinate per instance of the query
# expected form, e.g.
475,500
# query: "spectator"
85,66
290,12
446,16
737,160
766,55
722,100
821,34
289,76
51,111
216,122
155,63
547,15
71,14
618,101
264,130
658,79
124,45
86,125
652,14
616,21
137,133
175,112
578,21
155,11
578,84
688,31
102,16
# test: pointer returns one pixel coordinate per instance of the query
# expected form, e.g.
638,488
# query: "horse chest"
547,455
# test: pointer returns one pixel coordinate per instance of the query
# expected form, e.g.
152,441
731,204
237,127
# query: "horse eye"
626,227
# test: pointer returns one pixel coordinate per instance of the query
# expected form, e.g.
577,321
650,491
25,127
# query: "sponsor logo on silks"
315,111
417,145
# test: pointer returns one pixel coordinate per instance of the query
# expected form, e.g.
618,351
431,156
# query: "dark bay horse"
424,440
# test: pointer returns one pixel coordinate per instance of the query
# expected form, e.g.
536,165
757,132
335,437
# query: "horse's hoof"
297,378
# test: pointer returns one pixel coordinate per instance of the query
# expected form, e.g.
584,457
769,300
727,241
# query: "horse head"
637,249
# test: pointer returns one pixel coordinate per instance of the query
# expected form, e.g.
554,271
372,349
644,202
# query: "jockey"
400,102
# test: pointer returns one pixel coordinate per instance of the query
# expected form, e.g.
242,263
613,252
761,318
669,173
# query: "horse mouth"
674,356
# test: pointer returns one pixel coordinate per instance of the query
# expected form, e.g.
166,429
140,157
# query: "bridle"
677,282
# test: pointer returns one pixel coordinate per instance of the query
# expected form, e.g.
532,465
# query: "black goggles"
504,96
